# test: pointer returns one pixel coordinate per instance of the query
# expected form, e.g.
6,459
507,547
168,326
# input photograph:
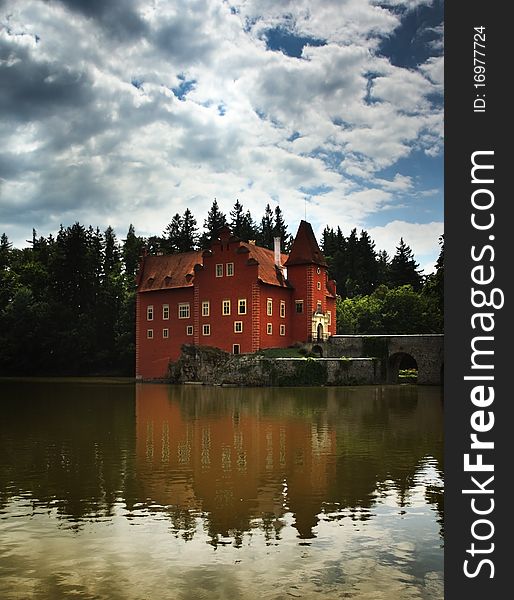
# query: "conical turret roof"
305,249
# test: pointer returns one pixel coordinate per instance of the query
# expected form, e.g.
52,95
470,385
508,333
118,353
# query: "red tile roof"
305,249
168,271
177,270
267,271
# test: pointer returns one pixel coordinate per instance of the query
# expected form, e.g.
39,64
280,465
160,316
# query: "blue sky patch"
185,86
289,43
412,42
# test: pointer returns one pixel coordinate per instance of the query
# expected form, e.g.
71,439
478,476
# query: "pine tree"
328,242
265,237
249,230
171,235
236,219
213,224
404,270
434,283
112,258
131,251
351,264
188,238
367,266
5,251
383,268
280,230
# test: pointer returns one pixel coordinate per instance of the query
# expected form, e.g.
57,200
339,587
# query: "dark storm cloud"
181,38
33,90
119,17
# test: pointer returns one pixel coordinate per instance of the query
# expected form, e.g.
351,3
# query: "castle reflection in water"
245,458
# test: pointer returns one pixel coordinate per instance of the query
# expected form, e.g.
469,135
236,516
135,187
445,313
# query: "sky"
129,111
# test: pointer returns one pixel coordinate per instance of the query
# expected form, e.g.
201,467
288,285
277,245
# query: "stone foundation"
200,364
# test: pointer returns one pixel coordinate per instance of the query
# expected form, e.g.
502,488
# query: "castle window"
269,328
225,307
230,269
149,313
189,330
149,334
165,333
299,306
318,270
319,285
206,306
238,326
236,349
241,306
183,310
282,308
165,312
206,329
319,309
282,330
329,317
269,307
219,270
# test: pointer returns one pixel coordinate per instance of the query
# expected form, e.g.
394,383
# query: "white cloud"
93,130
421,237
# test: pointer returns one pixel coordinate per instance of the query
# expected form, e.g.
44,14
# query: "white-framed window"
299,306
329,313
165,312
225,307
165,333
184,310
283,308
269,307
206,329
149,313
230,269
318,270
319,307
149,334
189,330
282,329
206,308
241,306
269,328
219,270
319,285
238,326
236,349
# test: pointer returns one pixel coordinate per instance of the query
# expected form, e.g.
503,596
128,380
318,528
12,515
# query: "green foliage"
404,269
213,224
389,311
242,224
266,229
67,305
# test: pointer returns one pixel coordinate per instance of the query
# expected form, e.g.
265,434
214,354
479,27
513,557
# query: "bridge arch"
425,349
400,361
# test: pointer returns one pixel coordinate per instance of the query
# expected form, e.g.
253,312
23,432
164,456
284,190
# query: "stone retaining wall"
215,367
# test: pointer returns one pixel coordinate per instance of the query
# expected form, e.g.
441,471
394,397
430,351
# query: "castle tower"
314,298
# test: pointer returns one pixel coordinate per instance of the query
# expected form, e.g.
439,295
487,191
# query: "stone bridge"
394,352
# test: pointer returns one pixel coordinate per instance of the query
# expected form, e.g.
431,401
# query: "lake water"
125,491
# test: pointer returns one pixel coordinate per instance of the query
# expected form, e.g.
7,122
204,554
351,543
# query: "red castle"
235,296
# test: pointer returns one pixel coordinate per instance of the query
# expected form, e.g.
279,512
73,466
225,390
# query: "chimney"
276,241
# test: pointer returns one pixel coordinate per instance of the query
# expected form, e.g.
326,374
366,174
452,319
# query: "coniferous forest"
67,302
